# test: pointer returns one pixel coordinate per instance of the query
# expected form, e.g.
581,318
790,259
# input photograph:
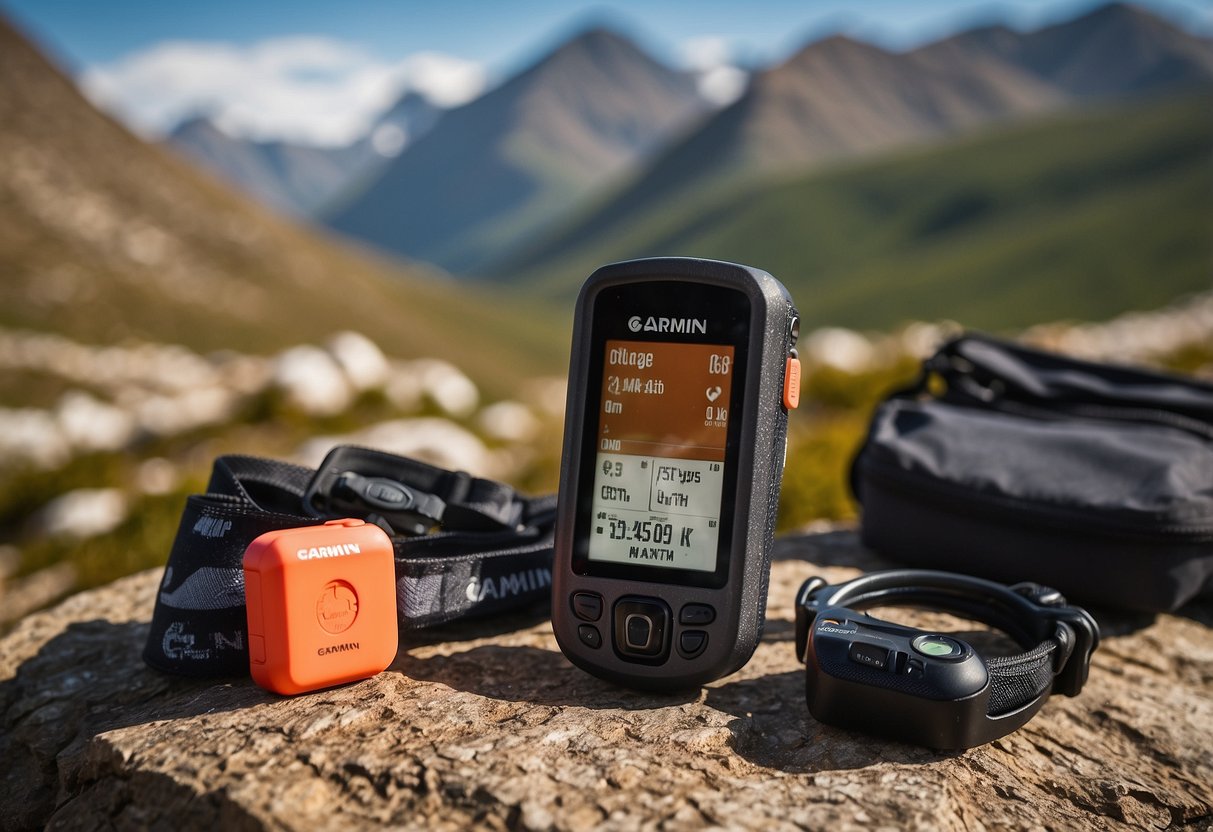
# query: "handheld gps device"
681,377
930,688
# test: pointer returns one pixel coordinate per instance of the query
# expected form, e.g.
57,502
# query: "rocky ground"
489,726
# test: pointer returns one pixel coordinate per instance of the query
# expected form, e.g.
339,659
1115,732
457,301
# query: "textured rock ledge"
491,727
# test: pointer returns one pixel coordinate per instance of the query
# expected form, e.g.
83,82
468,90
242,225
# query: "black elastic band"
491,553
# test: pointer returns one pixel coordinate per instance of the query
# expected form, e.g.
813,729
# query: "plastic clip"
388,503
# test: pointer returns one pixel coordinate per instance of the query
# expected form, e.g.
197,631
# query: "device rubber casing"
321,604
739,604
944,706
867,674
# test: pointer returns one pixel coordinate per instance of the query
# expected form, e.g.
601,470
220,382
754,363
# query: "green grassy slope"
1081,217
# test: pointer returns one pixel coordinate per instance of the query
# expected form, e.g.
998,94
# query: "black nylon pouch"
1021,465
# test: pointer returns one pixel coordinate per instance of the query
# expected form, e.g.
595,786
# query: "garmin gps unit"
681,378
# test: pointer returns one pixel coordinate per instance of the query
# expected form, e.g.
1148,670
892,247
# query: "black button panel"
587,605
589,636
642,629
696,615
872,655
691,643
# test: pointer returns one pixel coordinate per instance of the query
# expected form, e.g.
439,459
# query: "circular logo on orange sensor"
337,607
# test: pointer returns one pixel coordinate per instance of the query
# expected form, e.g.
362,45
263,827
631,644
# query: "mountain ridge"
291,178
834,97
837,97
301,179
1123,49
499,167
1066,226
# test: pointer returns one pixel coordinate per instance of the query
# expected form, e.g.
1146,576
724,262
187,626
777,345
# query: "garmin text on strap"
464,546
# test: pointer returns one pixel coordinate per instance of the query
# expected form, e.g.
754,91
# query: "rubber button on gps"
791,384
638,632
642,629
589,636
696,615
587,606
872,655
691,643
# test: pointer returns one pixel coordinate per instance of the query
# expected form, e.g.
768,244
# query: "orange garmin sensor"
321,605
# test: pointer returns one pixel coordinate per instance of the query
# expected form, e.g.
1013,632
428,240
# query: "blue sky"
86,31
318,71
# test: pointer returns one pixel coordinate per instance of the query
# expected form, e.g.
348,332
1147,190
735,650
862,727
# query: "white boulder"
29,435
508,421
312,380
362,361
434,440
93,425
842,349
448,387
156,476
83,513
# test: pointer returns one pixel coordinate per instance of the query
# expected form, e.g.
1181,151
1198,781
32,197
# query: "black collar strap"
1058,639
464,546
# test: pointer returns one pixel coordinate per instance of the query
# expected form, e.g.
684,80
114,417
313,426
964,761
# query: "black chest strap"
464,546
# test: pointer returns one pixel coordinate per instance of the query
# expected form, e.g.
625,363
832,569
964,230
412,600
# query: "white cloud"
444,79
710,58
309,89
702,54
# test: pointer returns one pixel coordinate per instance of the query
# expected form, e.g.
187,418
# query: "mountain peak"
194,125
832,49
596,42
583,113
410,108
1117,11
840,42
1125,18
599,34
1116,50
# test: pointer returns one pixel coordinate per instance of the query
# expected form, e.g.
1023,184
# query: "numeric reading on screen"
660,458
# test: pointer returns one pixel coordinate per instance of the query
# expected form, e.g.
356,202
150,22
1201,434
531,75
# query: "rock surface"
488,726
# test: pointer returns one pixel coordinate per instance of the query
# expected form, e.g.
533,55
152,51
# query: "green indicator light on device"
935,648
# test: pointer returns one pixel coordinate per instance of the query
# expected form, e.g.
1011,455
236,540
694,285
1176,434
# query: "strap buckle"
351,483
1039,594
1076,633
806,612
1073,674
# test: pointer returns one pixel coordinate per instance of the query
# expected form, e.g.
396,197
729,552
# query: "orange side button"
791,384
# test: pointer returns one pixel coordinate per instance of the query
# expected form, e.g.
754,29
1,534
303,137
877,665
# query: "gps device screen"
660,445
662,436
